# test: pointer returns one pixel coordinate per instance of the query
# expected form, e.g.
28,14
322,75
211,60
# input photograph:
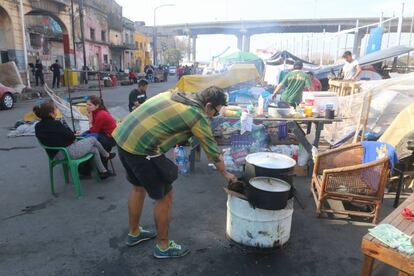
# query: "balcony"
54,6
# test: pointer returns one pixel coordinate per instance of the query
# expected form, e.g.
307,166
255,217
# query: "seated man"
132,77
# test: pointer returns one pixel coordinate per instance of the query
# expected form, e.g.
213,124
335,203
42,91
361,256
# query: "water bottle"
181,160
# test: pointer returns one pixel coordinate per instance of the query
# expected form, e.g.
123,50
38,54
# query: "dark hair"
213,94
142,82
95,100
310,73
44,109
56,61
347,53
297,65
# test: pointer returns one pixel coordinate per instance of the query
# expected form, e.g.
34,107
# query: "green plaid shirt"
161,123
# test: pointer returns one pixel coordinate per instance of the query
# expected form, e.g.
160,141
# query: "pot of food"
269,164
268,193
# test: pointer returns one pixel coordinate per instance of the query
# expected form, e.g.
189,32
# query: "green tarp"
240,57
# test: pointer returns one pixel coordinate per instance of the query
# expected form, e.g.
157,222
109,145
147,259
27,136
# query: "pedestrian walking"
55,68
144,137
39,73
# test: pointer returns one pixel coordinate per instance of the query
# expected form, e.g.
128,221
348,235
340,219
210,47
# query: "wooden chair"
339,174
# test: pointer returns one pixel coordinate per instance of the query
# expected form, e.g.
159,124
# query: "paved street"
45,235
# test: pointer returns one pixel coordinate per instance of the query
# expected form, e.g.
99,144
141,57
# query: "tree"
173,56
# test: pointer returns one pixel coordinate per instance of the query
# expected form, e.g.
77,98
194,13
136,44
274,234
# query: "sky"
189,11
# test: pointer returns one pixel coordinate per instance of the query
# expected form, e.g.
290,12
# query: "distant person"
55,68
32,68
39,73
138,96
132,77
166,72
51,132
351,69
187,70
294,83
180,71
84,74
316,84
150,73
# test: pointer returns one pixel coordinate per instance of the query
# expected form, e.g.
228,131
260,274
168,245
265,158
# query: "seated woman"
53,133
101,123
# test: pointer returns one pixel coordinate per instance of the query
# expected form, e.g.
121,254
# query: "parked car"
172,70
7,97
208,71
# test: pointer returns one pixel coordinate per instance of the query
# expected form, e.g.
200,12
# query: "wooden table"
344,87
373,249
292,123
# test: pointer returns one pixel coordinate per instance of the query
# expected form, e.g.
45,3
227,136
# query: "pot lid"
269,184
270,160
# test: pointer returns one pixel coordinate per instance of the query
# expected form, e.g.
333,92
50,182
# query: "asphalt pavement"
41,234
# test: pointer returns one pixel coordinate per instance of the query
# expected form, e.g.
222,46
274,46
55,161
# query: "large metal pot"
269,164
268,193
257,227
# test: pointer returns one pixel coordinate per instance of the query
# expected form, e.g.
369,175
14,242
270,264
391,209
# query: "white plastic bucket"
257,227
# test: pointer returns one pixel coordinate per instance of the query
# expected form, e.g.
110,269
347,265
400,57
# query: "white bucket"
257,227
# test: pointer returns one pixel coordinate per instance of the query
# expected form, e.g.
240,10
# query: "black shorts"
144,173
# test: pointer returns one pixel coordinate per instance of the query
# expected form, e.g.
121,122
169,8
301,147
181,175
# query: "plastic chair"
68,164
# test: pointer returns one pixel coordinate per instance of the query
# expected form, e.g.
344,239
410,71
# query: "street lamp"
154,35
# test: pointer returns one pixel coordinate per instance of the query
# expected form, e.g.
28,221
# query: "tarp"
389,98
375,39
238,73
402,125
280,57
239,57
371,58
10,76
81,121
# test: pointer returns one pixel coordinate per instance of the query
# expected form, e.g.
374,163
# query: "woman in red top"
101,122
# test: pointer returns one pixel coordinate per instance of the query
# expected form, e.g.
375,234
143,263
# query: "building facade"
141,54
128,31
110,40
52,15
95,35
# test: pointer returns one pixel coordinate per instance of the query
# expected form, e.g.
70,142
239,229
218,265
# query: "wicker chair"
340,174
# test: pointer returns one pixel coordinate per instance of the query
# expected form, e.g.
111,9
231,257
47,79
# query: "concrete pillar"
357,42
194,48
239,41
189,47
246,42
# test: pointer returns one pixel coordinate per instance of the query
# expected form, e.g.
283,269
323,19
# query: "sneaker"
106,174
173,251
144,235
111,155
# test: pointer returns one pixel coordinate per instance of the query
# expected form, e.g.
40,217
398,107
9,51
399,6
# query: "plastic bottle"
175,152
260,106
181,160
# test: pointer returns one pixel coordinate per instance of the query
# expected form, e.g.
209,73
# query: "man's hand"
231,178
278,87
